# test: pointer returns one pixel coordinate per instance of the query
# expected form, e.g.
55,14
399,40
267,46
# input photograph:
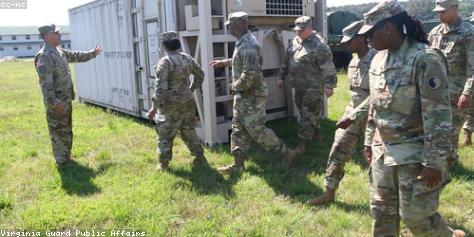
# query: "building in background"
25,41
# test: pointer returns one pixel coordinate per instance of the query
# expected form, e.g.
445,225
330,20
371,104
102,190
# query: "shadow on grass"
458,171
363,209
205,180
76,179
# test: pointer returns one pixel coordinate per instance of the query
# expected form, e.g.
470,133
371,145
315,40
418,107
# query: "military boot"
467,138
237,166
199,160
289,156
301,147
327,197
163,166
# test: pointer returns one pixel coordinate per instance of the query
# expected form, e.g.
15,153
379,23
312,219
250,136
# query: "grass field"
113,183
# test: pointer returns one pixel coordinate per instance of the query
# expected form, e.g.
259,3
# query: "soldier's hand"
464,101
368,154
344,123
432,177
216,63
280,83
98,50
151,114
328,92
59,107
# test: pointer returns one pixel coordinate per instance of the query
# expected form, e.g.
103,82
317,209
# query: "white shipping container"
128,30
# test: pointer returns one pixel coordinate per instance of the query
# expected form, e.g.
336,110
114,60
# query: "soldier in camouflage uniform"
309,67
469,124
174,101
250,96
409,125
455,38
51,64
345,140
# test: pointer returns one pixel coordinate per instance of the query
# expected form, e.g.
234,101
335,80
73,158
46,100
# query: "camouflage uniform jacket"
55,75
409,106
308,64
246,63
172,79
457,44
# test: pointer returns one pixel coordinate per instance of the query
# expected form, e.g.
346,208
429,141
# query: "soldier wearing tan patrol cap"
309,69
455,38
51,64
346,138
250,96
408,126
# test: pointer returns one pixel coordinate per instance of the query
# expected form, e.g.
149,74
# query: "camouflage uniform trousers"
309,105
179,118
469,124
60,132
345,141
248,124
396,193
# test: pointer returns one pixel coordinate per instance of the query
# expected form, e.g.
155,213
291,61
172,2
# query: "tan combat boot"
289,156
301,147
467,138
237,166
325,198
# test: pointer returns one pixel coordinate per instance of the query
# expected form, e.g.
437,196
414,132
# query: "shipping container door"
142,69
108,80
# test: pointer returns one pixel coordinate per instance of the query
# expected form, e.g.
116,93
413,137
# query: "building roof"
26,30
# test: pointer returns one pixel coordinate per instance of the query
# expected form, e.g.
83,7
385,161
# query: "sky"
41,12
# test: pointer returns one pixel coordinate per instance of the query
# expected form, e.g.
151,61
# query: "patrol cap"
236,16
351,30
442,5
382,11
169,35
43,30
303,22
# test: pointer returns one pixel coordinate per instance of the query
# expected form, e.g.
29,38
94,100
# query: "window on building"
15,47
13,37
1,48
1,37
27,37
28,47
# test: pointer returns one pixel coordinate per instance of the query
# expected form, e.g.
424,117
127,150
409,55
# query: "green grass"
113,183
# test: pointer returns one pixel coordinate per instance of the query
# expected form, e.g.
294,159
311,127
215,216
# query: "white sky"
41,12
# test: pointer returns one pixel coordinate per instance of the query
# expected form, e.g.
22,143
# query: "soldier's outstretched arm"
81,56
45,67
221,63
